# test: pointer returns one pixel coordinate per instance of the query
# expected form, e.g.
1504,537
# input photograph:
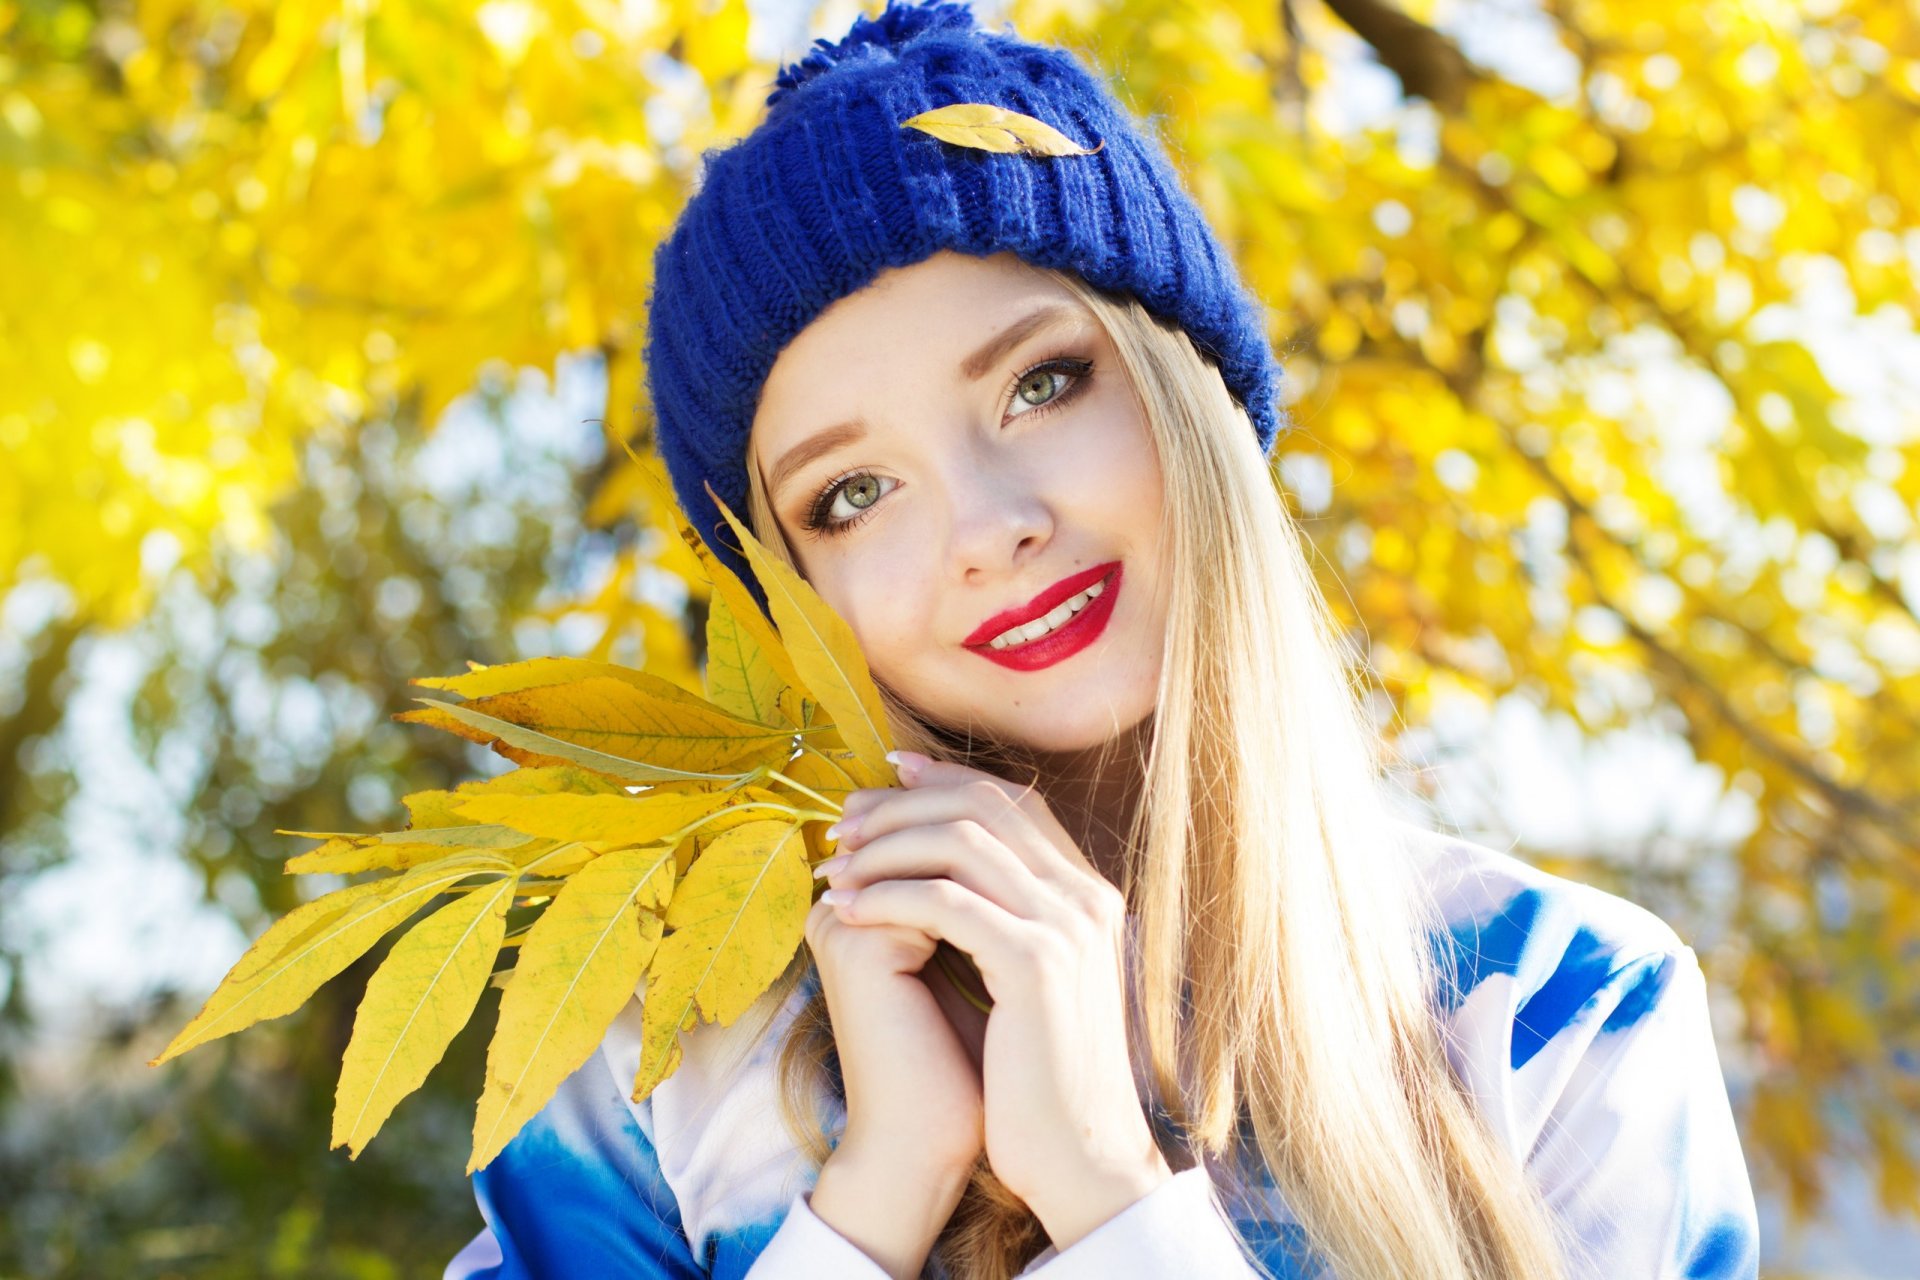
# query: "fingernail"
831,865
838,897
844,828
909,763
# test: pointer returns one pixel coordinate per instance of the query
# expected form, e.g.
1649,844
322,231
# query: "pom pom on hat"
891,29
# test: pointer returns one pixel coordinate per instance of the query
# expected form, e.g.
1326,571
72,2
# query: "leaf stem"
804,790
805,815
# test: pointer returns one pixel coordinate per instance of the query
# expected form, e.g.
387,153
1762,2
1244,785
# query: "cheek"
1137,473
882,592
1109,454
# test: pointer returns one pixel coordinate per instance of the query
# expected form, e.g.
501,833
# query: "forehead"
926,316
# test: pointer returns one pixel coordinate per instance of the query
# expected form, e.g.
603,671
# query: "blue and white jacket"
1581,1032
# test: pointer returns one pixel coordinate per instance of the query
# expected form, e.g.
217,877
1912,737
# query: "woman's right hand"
914,1093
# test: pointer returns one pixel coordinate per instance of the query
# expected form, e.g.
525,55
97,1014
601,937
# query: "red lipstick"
1071,636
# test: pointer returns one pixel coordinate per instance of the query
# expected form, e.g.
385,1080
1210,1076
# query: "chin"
1076,724
1070,734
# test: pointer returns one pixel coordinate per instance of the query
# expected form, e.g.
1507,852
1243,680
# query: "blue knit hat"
829,190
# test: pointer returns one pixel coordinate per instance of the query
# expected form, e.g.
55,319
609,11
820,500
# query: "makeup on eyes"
1079,372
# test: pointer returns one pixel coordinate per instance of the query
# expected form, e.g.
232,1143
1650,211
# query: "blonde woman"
1009,413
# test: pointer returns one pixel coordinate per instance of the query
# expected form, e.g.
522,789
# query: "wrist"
1088,1202
889,1207
872,1164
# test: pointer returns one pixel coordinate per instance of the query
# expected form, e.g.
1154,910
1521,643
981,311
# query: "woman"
1009,414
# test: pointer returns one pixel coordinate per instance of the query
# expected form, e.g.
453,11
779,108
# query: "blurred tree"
1580,346
262,703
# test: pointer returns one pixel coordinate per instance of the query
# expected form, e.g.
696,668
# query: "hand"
981,862
913,1090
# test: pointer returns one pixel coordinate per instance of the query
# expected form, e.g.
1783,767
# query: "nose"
999,519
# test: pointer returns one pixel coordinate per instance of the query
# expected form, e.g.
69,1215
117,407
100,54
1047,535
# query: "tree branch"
1429,65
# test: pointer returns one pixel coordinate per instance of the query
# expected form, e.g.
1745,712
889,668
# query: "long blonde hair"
1274,903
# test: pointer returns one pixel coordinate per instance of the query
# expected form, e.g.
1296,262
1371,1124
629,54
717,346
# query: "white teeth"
1041,625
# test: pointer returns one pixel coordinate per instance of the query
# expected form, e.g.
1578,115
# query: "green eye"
1041,388
820,519
1042,383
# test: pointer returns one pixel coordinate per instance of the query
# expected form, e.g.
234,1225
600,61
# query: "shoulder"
1507,919
1523,931
1537,972
1579,1023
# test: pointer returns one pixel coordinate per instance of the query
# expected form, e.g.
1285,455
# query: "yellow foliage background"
1580,415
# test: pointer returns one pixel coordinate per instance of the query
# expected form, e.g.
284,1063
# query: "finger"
917,770
825,924
999,944
962,851
858,802
1025,796
975,800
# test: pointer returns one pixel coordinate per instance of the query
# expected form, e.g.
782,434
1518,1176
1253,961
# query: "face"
997,466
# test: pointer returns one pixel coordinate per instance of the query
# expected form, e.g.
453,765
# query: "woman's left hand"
983,863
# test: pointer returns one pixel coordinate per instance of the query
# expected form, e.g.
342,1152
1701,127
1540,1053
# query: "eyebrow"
975,366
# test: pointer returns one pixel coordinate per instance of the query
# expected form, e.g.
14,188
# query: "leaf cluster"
691,894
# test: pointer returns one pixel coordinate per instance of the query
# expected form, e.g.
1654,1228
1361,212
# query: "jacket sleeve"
1637,1155
806,1248
1173,1230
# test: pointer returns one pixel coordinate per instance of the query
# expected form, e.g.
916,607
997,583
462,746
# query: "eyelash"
1080,371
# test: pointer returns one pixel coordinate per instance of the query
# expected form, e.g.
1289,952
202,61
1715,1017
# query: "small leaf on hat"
989,128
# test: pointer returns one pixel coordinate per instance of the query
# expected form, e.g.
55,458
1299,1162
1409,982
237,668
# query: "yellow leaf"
826,771
441,808
344,854
296,924
826,655
578,966
737,919
610,819
434,808
797,708
418,999
989,128
605,726
656,723
534,673
724,821
254,992
556,858
740,677
1559,169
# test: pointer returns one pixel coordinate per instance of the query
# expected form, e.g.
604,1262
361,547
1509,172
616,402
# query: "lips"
1040,605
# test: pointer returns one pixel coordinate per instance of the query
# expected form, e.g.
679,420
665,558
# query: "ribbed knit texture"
828,191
